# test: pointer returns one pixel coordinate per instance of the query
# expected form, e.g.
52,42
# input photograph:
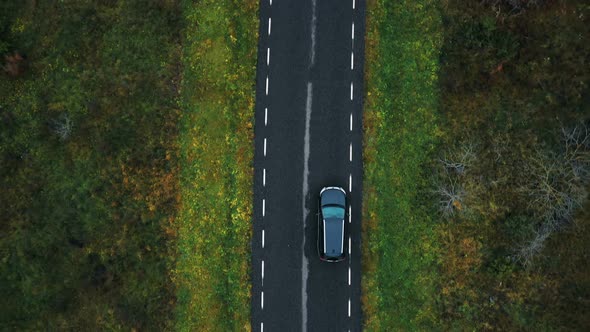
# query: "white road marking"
263,273
305,211
264,177
352,31
263,206
350,152
350,121
349,214
348,307
271,2
349,250
267,55
350,183
351,60
262,302
263,239
269,25
351,89
261,327
265,116
267,85
348,273
265,147
353,3
313,24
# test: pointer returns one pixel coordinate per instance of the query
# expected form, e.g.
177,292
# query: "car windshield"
333,212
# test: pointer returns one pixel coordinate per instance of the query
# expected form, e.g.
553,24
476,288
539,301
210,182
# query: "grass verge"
399,241
217,98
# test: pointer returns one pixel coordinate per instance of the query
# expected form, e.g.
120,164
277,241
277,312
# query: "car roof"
334,237
333,196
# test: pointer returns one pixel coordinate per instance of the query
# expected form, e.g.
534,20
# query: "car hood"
334,237
333,197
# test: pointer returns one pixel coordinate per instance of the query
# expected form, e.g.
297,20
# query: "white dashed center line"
349,214
264,172
348,273
263,274
348,307
350,153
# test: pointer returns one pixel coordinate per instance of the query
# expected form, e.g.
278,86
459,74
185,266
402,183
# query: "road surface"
308,134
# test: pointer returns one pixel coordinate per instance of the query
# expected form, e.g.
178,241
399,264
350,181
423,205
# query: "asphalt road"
308,134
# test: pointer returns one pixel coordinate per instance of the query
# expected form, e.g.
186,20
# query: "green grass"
400,245
214,225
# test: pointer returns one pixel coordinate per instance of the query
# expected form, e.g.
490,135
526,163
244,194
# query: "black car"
332,210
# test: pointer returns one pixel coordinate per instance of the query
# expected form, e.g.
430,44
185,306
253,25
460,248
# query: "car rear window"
333,212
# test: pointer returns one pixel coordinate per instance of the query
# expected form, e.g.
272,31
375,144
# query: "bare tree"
62,126
451,197
449,176
526,253
556,188
553,189
576,141
457,161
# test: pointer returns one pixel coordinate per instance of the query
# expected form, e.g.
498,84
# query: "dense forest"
513,167
88,171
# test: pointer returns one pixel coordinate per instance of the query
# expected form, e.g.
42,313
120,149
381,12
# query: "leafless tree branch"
557,187
62,126
527,252
451,197
458,161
